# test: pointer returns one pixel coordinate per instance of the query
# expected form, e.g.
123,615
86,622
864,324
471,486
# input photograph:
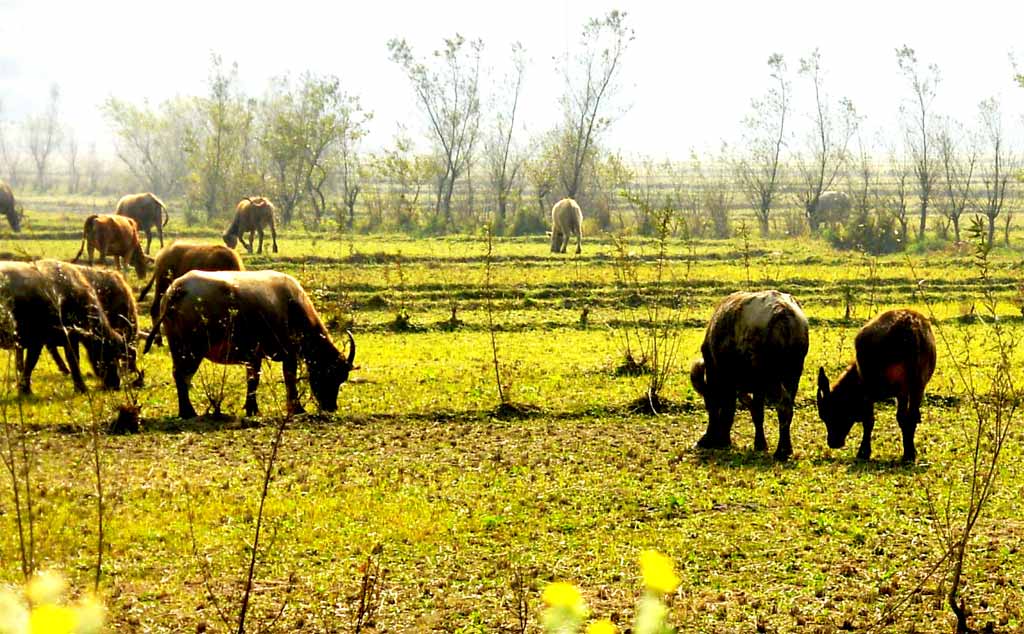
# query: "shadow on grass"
855,465
733,458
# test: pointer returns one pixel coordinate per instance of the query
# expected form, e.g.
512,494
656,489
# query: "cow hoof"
783,455
187,414
909,458
761,445
864,456
707,442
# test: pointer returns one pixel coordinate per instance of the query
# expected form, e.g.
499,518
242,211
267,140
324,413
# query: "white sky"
688,77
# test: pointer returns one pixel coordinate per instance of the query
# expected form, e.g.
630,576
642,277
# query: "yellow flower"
658,572
45,588
566,596
52,619
604,626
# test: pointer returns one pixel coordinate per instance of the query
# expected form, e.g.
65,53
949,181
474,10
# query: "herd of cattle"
210,307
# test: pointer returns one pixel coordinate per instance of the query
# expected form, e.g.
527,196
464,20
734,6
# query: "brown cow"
754,350
895,358
242,317
180,258
566,220
147,211
7,206
118,305
117,236
52,304
251,215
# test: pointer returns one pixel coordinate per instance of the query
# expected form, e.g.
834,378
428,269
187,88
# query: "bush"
868,233
527,222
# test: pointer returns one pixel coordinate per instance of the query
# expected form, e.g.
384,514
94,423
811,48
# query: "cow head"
837,415
14,216
106,356
556,241
141,262
327,375
230,239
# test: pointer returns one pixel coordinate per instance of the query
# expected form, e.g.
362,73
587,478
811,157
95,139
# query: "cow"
242,317
7,207
754,349
251,215
832,207
566,220
52,304
895,357
147,211
118,305
117,236
180,258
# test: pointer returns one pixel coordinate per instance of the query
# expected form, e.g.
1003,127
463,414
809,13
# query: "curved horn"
351,348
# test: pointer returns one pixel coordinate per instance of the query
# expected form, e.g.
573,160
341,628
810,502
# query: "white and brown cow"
566,221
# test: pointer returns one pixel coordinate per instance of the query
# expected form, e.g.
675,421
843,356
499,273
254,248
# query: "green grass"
417,460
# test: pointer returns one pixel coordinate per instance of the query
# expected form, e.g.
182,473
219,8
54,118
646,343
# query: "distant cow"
118,305
7,206
251,215
753,349
52,304
832,207
180,258
242,317
117,236
566,220
895,358
147,211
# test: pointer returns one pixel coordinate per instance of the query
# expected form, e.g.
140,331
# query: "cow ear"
823,388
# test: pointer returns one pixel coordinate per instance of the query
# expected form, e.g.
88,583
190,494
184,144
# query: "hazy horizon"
687,79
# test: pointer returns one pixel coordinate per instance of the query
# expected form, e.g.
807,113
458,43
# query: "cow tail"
697,379
151,337
149,284
86,233
167,216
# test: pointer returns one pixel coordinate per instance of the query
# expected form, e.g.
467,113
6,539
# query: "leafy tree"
449,94
153,143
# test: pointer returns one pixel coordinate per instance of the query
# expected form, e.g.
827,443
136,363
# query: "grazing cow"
895,358
566,220
118,305
251,215
242,317
832,207
117,236
7,206
147,211
754,349
180,258
52,304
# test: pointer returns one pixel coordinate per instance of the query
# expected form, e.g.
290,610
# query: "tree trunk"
924,217
991,230
762,221
956,227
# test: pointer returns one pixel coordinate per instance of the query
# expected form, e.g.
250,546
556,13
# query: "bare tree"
9,154
505,160
74,175
351,170
154,144
760,171
827,144
450,96
43,136
589,84
1000,164
93,169
919,126
898,202
958,156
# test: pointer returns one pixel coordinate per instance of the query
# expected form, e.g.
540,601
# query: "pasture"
468,507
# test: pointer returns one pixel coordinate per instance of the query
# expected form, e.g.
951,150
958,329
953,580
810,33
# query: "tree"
154,144
898,202
10,157
827,143
449,94
1000,165
74,175
958,172
589,85
505,160
760,171
43,136
918,125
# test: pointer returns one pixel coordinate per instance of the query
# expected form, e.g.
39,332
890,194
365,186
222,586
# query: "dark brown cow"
566,220
52,304
754,350
251,215
7,206
117,236
118,304
242,317
147,211
895,358
180,258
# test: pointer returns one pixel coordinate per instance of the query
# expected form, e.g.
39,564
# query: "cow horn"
351,348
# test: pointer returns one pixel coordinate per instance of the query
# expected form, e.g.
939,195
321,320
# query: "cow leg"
785,412
241,238
864,452
74,368
579,242
89,249
184,369
260,232
31,358
908,415
721,407
290,369
57,359
154,311
757,414
149,239
565,242
159,233
252,383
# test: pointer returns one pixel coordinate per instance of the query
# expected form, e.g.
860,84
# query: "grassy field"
462,500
